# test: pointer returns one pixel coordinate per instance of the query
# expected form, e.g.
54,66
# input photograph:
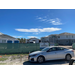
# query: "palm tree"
24,40
18,39
21,40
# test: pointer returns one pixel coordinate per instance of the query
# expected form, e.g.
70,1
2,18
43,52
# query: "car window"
45,49
60,48
52,49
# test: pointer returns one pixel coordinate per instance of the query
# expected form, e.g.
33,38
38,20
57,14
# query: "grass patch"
13,54
2,63
3,59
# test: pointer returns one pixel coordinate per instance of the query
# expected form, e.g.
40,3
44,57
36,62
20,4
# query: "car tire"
68,57
40,59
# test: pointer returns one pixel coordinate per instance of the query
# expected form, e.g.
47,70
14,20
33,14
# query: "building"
45,39
66,38
32,40
53,38
7,39
62,39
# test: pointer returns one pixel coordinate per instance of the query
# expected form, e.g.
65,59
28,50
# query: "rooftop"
6,36
33,38
66,33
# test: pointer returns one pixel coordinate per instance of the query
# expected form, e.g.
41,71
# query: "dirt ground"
14,60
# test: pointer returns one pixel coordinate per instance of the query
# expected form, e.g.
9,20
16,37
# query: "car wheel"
68,57
40,59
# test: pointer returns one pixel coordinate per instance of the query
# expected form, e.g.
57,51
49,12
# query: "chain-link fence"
12,48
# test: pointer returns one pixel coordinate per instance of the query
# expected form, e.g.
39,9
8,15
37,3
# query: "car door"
51,54
60,53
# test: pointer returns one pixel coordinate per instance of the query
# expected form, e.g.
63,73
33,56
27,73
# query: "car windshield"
45,49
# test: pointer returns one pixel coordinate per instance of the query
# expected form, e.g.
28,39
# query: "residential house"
32,40
53,38
45,39
66,38
7,39
62,39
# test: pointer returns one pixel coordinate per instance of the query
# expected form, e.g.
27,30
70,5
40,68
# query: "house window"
66,41
67,36
43,39
72,36
3,41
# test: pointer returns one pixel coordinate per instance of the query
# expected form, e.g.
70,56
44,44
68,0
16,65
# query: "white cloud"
38,30
49,29
32,36
43,19
39,18
55,21
17,36
27,30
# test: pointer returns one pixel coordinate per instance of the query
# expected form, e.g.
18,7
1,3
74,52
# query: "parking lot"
52,62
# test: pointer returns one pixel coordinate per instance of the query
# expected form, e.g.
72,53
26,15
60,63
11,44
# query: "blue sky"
27,23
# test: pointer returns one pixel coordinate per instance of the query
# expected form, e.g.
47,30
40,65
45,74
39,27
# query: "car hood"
36,52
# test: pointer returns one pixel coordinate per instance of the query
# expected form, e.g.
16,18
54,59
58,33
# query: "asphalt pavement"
51,62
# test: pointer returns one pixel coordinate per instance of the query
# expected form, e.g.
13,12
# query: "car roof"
53,46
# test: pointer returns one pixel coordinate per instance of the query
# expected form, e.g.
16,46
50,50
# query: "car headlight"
34,55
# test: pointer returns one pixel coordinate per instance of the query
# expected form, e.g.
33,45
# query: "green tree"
21,40
24,40
18,39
